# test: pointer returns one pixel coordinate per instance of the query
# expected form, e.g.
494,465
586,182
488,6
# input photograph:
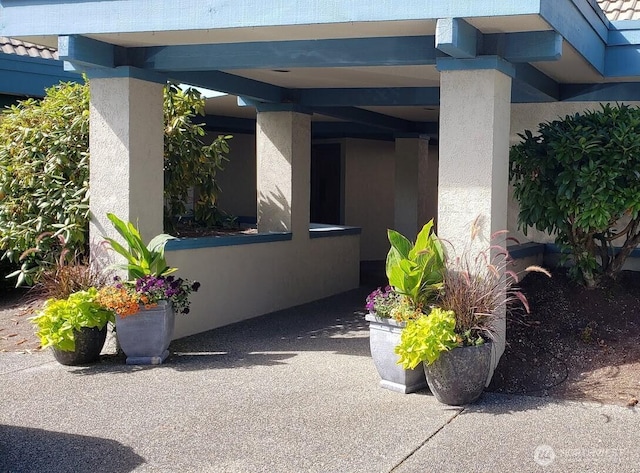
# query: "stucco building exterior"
405,111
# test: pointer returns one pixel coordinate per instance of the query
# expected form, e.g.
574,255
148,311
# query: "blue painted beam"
27,76
622,61
457,38
231,84
580,26
612,91
367,117
349,52
479,63
531,46
367,97
55,17
83,52
229,124
538,85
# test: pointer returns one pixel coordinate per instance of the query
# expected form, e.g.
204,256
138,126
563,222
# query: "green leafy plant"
415,270
425,338
579,179
142,260
60,318
44,173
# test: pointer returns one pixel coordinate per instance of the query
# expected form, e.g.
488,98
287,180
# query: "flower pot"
384,335
145,336
89,343
459,376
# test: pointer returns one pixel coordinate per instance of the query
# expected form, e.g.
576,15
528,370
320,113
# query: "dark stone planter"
384,335
459,376
89,343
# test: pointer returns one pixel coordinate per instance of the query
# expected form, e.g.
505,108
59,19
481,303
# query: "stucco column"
412,189
283,149
126,146
475,107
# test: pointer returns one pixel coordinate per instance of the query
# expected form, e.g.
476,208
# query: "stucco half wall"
248,280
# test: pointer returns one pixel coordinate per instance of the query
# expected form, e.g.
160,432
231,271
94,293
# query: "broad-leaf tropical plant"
416,270
142,260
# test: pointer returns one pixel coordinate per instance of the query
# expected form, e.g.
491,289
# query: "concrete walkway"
295,391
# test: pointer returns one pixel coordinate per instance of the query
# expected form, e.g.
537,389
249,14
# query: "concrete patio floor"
294,391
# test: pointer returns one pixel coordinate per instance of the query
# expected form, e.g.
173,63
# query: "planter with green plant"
415,277
75,327
145,305
454,340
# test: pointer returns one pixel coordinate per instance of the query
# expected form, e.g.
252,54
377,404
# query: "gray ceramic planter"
384,335
145,336
459,376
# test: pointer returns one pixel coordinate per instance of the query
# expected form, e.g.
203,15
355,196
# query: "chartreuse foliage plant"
416,270
44,173
423,339
59,318
579,179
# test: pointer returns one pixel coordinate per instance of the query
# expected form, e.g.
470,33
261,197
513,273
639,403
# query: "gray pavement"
294,391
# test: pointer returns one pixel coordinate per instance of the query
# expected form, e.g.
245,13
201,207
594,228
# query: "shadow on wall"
27,450
274,212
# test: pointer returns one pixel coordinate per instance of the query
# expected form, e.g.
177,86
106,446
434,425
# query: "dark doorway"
326,183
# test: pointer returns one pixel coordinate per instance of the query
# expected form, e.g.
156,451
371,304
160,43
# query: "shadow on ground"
27,450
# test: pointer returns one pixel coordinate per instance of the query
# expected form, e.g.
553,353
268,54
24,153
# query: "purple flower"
195,286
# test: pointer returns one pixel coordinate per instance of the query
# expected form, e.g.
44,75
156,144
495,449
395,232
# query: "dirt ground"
576,344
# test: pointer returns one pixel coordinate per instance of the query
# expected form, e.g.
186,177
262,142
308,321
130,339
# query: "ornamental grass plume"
477,288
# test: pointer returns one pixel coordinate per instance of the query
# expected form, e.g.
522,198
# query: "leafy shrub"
44,173
578,178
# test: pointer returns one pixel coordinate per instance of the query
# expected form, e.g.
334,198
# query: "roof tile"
23,48
621,9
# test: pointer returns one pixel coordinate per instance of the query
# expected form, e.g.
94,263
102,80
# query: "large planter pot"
384,335
458,376
89,343
145,336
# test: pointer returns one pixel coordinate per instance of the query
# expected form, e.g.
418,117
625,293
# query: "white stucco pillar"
475,110
126,146
413,191
283,149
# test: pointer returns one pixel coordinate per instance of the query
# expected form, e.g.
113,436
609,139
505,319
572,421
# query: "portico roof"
355,61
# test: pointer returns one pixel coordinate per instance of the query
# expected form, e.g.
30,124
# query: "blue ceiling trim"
536,84
625,36
579,24
530,46
479,63
457,38
612,91
62,17
126,71
371,97
231,84
351,52
27,76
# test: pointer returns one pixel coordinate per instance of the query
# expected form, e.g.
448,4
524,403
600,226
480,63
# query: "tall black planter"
458,376
89,343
